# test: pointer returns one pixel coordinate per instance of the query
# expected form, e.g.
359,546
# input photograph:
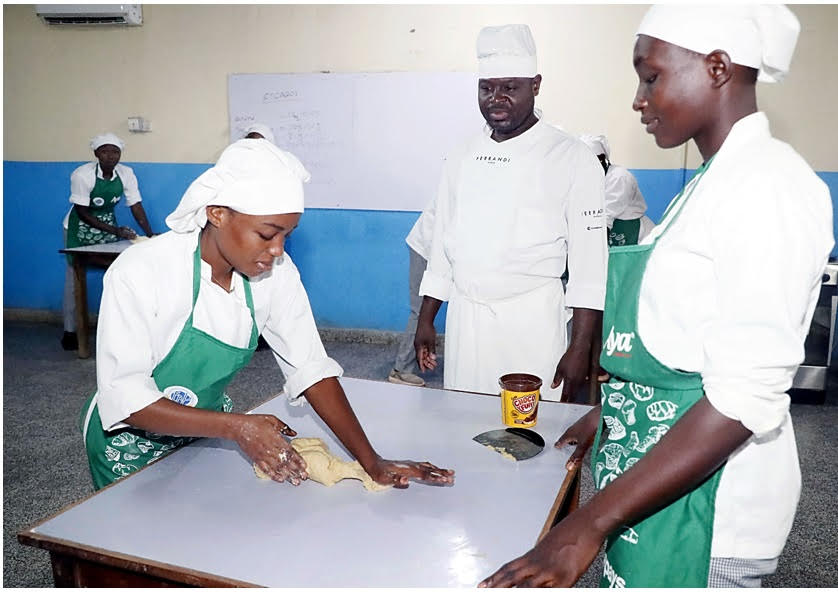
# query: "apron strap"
682,197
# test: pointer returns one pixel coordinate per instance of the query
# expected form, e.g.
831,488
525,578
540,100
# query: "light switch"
139,124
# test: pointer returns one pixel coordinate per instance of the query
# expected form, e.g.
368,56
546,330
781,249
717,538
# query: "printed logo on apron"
618,344
98,201
181,395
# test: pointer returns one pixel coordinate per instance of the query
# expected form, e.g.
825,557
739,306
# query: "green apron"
195,372
103,198
624,232
640,403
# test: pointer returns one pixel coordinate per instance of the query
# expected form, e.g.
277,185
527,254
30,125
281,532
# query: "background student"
95,189
625,208
418,239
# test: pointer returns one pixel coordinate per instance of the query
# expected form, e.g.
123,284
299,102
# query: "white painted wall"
64,84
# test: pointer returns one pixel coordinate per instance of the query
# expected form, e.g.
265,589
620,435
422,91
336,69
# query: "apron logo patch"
98,201
181,395
618,344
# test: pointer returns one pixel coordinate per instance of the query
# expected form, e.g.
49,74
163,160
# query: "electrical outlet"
139,124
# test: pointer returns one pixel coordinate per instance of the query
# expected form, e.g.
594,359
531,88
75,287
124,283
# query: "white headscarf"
597,143
252,177
761,36
506,51
261,128
107,138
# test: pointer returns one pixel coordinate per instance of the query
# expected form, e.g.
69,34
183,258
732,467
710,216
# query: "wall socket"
139,124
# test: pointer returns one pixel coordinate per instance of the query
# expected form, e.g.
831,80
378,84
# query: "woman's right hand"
262,439
581,434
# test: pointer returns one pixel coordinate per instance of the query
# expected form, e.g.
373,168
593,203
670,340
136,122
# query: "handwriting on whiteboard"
276,96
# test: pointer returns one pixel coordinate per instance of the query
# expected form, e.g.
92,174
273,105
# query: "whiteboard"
371,141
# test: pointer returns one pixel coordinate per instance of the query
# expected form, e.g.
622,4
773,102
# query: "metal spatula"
520,443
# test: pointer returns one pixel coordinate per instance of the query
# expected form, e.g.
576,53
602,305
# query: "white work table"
200,516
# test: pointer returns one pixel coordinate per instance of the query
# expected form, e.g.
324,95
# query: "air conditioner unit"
90,14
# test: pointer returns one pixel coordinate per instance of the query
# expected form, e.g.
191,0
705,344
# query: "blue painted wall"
353,262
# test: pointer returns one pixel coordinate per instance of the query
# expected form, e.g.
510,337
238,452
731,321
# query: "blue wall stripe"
353,262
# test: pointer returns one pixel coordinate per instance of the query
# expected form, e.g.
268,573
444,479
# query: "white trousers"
484,341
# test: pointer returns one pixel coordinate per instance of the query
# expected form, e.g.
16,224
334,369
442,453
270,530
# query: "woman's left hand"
399,473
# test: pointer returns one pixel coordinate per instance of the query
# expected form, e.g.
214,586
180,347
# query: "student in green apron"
625,208
95,189
180,316
693,452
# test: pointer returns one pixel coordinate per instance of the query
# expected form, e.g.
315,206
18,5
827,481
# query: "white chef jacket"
83,179
623,200
510,216
147,298
730,293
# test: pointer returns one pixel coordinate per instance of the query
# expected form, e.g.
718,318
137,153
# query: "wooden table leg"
80,278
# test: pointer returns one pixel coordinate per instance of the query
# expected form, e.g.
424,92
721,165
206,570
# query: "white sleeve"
292,334
769,246
129,185
81,184
587,242
420,236
619,188
124,360
438,280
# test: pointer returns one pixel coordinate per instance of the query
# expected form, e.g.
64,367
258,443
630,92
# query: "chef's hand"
557,561
126,232
425,344
581,434
399,473
261,438
572,370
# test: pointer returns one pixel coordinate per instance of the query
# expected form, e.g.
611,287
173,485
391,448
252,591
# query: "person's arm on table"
259,436
329,401
85,216
139,215
581,434
698,444
133,199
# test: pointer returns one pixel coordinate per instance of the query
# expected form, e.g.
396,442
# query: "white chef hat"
506,51
597,143
261,128
251,177
760,36
107,138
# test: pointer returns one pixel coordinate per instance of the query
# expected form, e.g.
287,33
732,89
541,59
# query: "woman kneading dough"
181,314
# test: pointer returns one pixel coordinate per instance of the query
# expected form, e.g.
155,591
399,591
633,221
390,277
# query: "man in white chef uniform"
517,205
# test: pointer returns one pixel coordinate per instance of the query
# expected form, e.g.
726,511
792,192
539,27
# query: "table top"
202,508
107,248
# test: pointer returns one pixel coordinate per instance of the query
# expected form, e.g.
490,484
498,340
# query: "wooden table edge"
131,563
